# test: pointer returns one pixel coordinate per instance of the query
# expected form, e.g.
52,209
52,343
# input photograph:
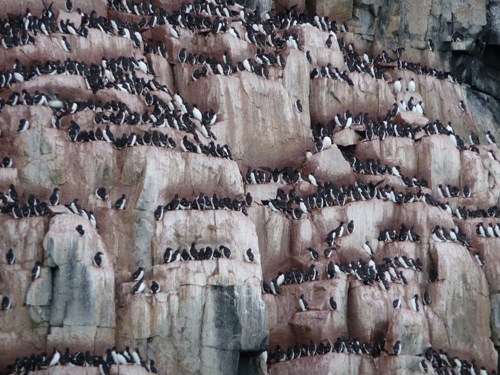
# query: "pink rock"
333,96
328,165
327,364
313,40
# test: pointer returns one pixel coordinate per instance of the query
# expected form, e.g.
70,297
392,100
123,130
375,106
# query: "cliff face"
279,189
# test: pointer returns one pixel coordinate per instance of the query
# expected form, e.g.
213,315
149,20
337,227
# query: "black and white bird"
332,304
120,203
7,162
426,299
80,230
298,105
100,193
54,197
155,287
159,212
350,226
423,366
249,256
65,45
139,287
367,248
54,359
396,303
36,271
491,139
6,303
98,259
24,125
138,275
304,306
414,303
69,5
313,253
397,347
10,257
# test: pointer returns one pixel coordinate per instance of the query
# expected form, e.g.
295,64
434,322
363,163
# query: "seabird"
65,45
138,275
298,105
411,86
100,193
314,253
332,303
54,360
80,230
397,347
155,287
10,257
98,259
396,303
303,303
138,287
414,303
249,256
491,139
6,303
398,85
35,272
120,203
24,125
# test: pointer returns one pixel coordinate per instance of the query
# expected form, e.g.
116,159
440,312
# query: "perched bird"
491,139
304,306
100,194
24,125
155,287
397,347
54,360
423,366
120,203
10,257
139,287
54,197
35,272
6,303
332,303
298,105
314,253
80,230
396,303
98,259
138,275
249,256
414,303
350,226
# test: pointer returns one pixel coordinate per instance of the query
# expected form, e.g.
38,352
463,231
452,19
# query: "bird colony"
201,188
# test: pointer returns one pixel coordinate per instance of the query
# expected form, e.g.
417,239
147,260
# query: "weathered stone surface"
328,165
82,295
329,97
328,363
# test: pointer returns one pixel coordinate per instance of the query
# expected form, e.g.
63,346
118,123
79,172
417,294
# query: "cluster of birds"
441,234
444,364
368,273
405,234
154,138
138,277
259,65
376,167
285,175
203,253
11,205
112,356
492,230
341,345
204,202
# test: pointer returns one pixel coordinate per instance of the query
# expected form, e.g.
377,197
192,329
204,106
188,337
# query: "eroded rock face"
217,315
